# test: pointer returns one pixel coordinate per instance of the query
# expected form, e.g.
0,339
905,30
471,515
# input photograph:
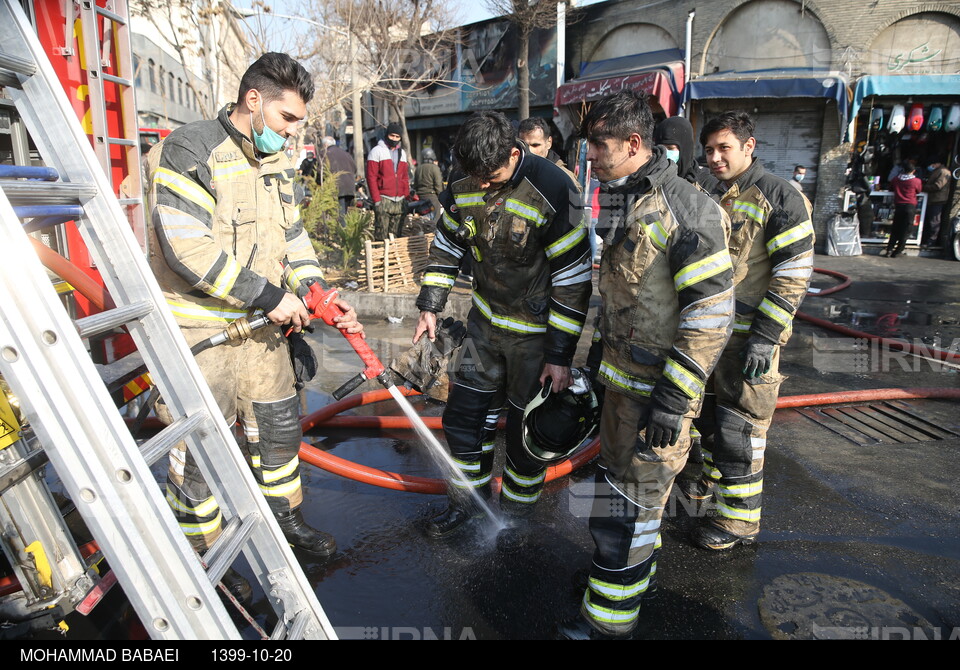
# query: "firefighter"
516,216
229,241
667,286
771,245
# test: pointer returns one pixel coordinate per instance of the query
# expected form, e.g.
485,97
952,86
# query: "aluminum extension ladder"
43,359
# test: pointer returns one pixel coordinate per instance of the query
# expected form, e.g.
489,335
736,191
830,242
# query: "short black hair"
619,116
799,167
532,124
909,165
738,123
484,143
275,73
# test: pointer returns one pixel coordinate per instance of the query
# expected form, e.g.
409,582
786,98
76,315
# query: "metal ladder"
43,359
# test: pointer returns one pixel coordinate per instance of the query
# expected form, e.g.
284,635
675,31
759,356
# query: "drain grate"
884,422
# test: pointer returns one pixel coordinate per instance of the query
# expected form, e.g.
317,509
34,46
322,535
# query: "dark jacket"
341,162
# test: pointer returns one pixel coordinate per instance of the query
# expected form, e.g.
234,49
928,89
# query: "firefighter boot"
237,586
708,535
303,537
460,509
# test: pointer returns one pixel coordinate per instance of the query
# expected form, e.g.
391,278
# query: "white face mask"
674,155
799,177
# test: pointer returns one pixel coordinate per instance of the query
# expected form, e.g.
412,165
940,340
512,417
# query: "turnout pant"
495,366
253,382
741,418
631,490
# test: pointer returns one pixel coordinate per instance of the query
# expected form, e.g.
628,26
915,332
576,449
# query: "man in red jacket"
905,186
388,178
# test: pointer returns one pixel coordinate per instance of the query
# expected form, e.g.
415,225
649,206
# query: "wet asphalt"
860,526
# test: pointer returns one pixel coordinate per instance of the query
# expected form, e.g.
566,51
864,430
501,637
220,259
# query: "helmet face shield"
556,424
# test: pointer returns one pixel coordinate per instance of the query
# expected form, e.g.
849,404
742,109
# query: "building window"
152,72
136,71
172,90
180,91
163,82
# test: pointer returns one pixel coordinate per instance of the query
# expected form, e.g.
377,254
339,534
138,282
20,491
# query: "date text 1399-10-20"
256,654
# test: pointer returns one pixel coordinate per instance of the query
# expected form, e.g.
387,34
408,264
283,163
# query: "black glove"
757,357
303,358
663,428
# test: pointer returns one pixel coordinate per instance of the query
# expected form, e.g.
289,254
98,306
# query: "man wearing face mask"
229,244
388,178
799,172
675,135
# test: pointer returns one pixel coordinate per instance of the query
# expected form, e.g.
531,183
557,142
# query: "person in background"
906,186
675,135
388,178
428,182
937,187
799,172
341,165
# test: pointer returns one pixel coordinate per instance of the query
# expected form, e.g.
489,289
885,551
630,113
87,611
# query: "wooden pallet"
395,264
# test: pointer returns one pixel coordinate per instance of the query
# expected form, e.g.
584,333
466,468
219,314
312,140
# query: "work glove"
757,357
303,359
663,428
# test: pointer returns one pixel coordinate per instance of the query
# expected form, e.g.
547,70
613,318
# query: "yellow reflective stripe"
199,312
625,380
228,168
525,211
281,490
657,234
188,188
788,237
742,490
607,614
525,481
281,472
506,322
487,447
778,314
506,492
472,483
205,508
226,279
449,223
567,325
468,199
750,209
704,269
465,466
680,376
204,528
566,242
618,591
438,279
300,274
738,514
742,325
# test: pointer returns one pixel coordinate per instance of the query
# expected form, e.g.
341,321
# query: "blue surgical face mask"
268,142
674,155
799,177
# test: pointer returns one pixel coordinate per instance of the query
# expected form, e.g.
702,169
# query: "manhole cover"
814,606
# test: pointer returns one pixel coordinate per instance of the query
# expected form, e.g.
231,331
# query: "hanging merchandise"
898,118
916,117
953,118
935,121
876,120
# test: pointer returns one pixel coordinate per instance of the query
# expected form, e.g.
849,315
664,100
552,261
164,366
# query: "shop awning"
658,82
800,83
904,85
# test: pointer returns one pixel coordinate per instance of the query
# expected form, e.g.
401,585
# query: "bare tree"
527,16
401,46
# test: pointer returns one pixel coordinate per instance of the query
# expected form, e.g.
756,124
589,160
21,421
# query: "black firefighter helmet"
555,424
